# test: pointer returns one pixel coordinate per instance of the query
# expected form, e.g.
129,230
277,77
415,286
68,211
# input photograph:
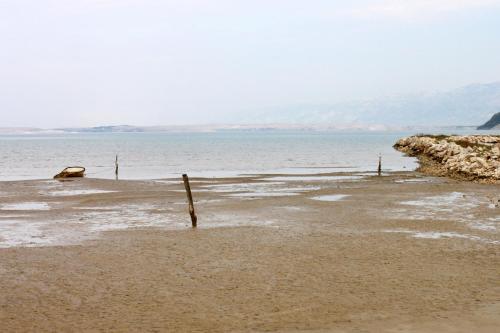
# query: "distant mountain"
468,106
141,129
493,123
464,107
104,129
19,130
226,128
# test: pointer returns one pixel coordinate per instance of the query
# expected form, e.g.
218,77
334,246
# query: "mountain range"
471,105
468,106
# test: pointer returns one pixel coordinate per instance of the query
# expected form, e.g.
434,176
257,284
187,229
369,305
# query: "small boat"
71,172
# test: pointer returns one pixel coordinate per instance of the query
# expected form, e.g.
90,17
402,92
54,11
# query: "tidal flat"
398,252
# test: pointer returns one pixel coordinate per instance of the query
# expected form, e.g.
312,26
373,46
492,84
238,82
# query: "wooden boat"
71,172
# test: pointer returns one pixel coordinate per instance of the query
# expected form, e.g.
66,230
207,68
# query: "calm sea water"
167,155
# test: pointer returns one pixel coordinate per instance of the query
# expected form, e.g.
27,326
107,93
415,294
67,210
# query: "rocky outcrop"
493,123
475,157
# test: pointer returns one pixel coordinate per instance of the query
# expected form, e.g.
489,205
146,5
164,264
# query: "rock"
475,157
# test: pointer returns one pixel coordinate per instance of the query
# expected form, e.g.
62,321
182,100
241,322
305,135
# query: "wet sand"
398,253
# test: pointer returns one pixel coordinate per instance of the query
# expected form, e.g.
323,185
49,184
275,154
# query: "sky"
146,62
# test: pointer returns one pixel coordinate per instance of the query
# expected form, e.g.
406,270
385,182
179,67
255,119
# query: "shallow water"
261,189
454,206
312,178
262,194
63,193
332,197
22,233
441,235
417,180
26,206
221,154
445,202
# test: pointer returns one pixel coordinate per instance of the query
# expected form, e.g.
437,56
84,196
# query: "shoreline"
213,174
470,158
401,251
217,154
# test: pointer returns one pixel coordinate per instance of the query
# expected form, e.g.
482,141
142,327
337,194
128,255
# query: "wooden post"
194,219
379,170
116,166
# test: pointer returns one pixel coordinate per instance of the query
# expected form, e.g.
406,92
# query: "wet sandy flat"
398,253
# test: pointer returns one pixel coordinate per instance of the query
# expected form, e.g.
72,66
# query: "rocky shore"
474,157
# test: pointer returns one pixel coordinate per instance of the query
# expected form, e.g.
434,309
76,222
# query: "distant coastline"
226,128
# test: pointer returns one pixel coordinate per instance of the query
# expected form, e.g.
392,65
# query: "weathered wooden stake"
379,170
194,219
116,166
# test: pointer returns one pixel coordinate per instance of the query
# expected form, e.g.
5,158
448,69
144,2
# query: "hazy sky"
145,62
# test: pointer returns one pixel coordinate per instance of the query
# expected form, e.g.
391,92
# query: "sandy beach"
281,253
250,166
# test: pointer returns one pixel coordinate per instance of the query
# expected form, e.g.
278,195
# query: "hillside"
493,123
469,105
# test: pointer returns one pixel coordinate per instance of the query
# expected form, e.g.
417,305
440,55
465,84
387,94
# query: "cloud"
416,10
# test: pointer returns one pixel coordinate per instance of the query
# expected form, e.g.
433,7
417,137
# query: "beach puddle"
22,233
298,189
242,187
262,194
311,178
64,193
416,180
12,216
204,201
26,206
225,220
332,197
301,170
489,224
445,203
94,208
168,182
124,217
194,190
470,209
441,235
438,235
85,223
450,206
261,189
246,223
181,182
295,208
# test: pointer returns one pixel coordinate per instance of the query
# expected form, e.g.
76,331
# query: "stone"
474,157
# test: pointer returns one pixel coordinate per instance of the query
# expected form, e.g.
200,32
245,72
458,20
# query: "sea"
213,154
